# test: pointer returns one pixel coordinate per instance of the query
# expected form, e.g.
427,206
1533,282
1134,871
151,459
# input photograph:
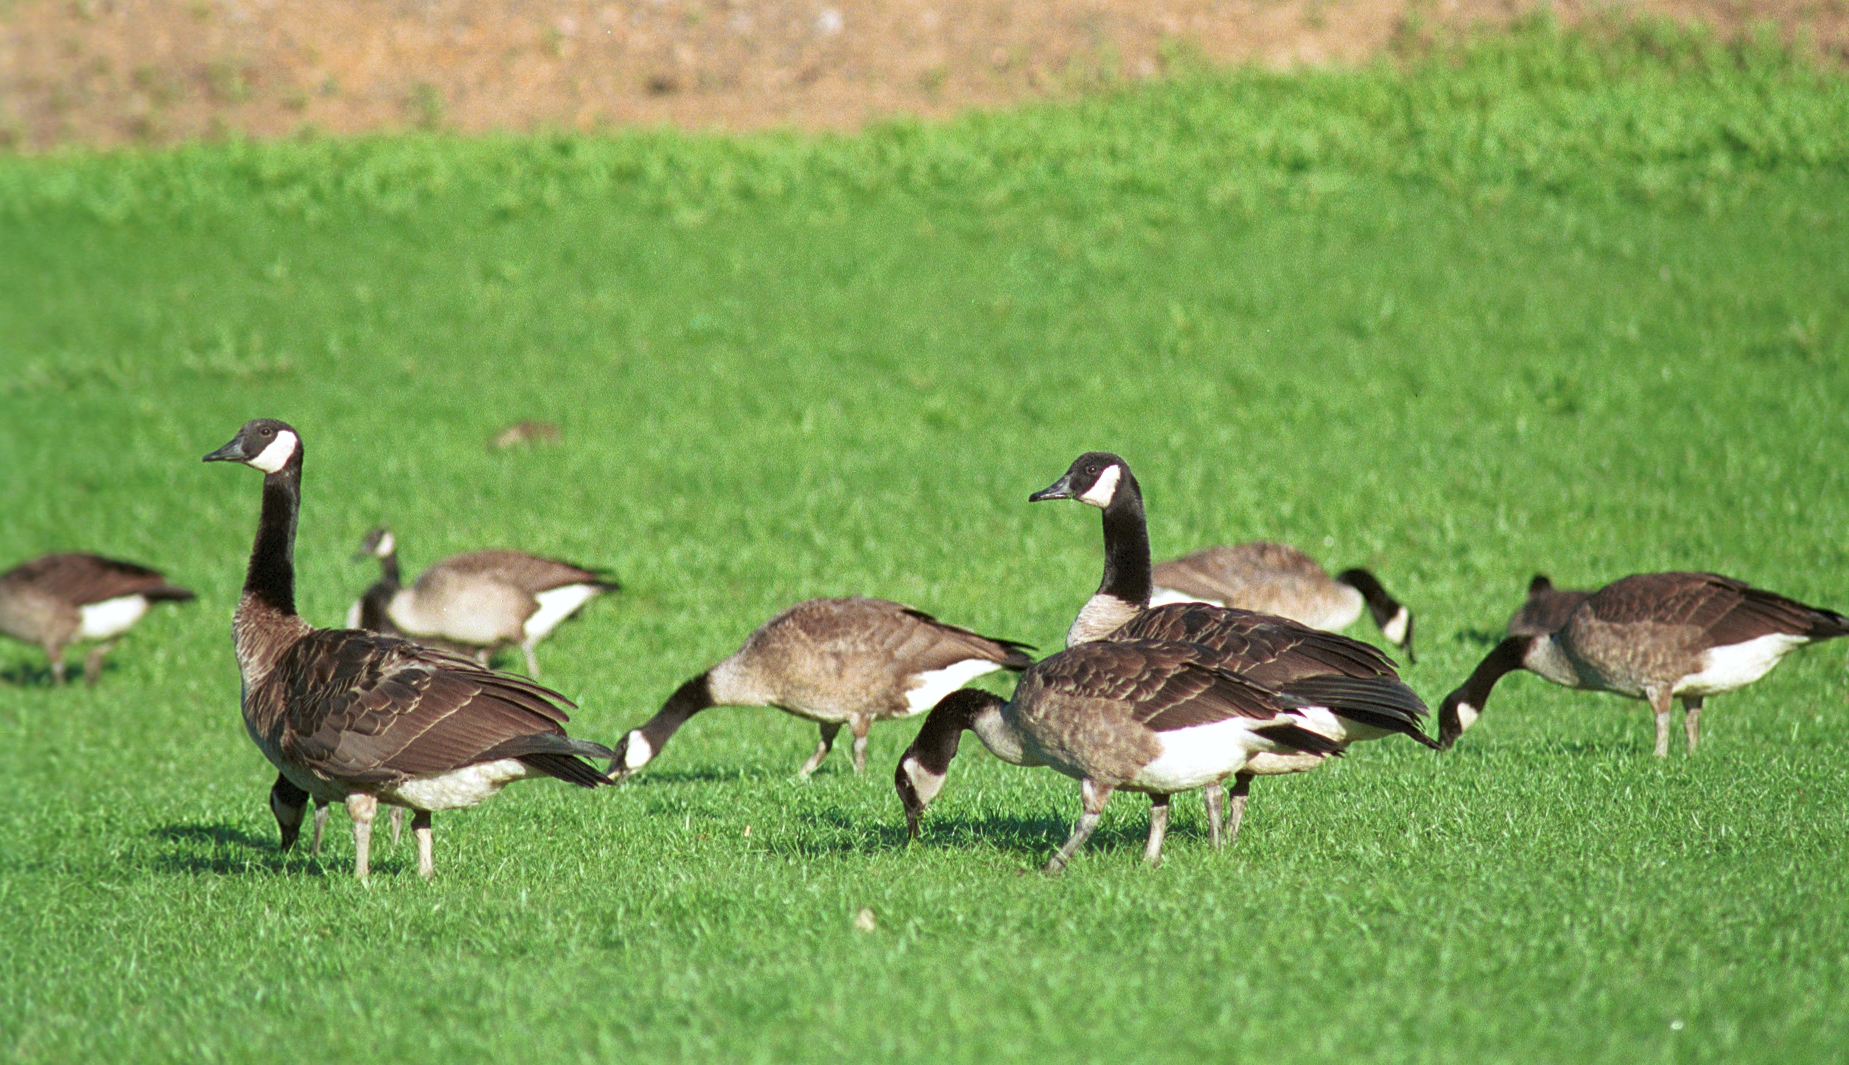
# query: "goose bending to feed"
54,600
1546,609
289,805
1356,689
1280,580
850,661
482,600
363,719
1657,637
1133,715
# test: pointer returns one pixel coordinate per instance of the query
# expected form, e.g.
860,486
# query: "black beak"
911,827
1060,489
289,832
232,452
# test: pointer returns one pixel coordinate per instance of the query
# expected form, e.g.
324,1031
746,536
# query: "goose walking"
1657,637
55,600
1135,715
1357,691
849,661
481,601
363,719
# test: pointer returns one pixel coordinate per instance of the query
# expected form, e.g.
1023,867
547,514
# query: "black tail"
1380,702
1827,624
555,754
171,593
1300,739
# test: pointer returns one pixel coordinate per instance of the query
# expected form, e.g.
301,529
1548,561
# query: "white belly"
1195,757
1736,665
458,787
555,605
927,688
111,617
1165,596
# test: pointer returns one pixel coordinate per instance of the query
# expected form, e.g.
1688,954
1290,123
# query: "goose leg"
1094,795
1659,702
859,727
361,808
321,809
1158,828
821,749
93,662
420,827
398,823
1242,783
1215,795
532,664
1691,720
55,652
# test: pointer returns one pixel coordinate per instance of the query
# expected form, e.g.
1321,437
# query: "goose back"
1267,577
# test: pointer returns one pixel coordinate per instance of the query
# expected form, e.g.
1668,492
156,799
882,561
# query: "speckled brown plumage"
42,601
1546,609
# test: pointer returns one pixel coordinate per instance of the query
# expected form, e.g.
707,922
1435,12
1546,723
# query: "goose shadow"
697,776
1031,837
236,852
1478,637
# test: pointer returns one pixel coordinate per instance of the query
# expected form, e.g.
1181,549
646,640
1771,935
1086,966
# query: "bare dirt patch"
116,71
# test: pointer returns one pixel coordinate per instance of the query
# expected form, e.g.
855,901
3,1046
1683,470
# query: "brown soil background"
119,71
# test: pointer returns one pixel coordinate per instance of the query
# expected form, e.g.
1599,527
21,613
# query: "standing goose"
836,662
1356,689
1547,608
1133,715
56,599
482,600
364,719
1655,637
289,805
1280,580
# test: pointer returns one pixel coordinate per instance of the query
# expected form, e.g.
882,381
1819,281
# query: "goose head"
926,763
379,543
1096,477
263,443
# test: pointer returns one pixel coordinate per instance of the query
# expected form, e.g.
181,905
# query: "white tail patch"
1165,596
1395,628
1104,489
458,787
111,617
555,605
1198,756
278,454
1738,664
928,688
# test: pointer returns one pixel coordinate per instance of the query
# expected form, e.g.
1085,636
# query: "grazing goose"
1655,637
482,600
289,804
56,599
837,662
1280,580
1367,700
1546,610
364,719
1133,715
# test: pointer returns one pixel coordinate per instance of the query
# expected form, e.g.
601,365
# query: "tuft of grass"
783,368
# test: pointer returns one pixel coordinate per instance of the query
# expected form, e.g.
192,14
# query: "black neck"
271,577
1499,663
1379,604
1126,545
388,570
687,700
937,741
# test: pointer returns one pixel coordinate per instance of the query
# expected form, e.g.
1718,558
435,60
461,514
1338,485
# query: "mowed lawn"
826,392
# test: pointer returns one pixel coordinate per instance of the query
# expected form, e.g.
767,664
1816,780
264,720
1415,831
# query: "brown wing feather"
1226,572
1165,686
1726,611
529,572
81,578
370,709
1267,649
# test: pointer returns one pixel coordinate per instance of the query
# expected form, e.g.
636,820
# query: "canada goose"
1368,700
1280,580
482,600
1547,608
289,803
364,719
1133,715
837,662
56,599
1655,637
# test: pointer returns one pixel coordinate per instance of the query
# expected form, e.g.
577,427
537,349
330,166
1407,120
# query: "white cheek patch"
1467,716
924,785
637,752
387,545
353,615
277,455
1100,494
1395,628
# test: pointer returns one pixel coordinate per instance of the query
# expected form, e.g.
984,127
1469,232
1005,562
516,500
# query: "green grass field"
1545,304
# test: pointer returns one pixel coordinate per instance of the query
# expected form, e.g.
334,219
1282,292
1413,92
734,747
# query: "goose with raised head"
1546,609
848,661
1658,637
363,719
1280,580
1150,716
1357,689
55,600
481,601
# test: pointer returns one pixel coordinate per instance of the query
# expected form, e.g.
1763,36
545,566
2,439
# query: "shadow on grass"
697,776
1478,637
1034,838
235,852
